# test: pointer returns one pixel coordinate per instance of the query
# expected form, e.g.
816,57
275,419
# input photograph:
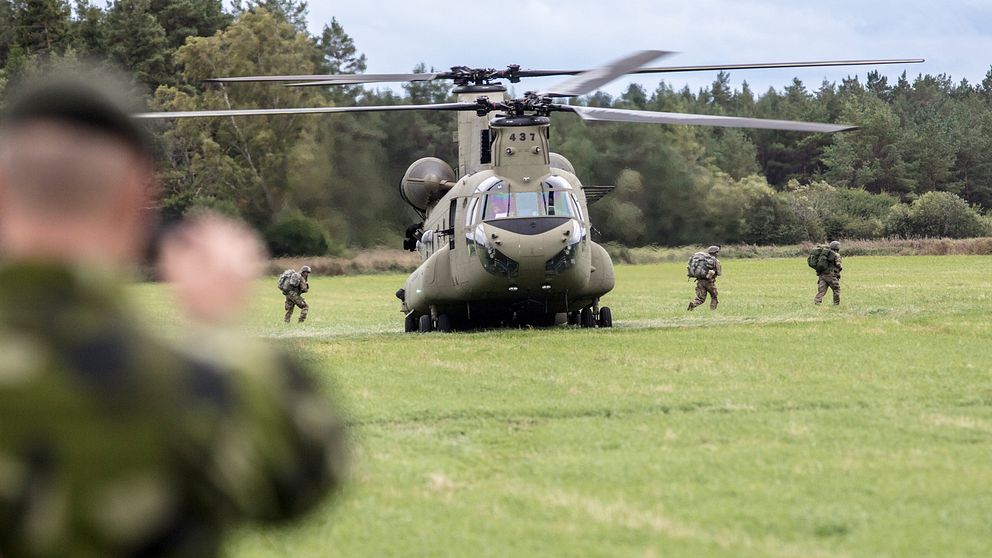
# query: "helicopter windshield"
554,200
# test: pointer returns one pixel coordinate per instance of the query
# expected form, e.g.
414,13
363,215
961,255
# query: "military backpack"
700,264
287,281
822,259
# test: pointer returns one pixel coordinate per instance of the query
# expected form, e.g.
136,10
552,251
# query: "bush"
296,235
769,220
828,212
937,215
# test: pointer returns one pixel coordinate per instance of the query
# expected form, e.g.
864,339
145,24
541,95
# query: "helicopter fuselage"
510,243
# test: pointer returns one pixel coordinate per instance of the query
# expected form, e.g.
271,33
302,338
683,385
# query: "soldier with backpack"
705,268
825,260
293,285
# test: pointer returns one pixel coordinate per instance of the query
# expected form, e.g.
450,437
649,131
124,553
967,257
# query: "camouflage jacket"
717,271
835,267
297,284
115,443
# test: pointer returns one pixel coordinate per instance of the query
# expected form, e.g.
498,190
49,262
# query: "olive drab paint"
490,266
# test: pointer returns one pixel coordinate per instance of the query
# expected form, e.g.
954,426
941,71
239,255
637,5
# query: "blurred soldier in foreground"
705,268
112,441
293,285
828,270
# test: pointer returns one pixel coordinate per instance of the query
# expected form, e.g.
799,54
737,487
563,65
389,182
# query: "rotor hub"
463,76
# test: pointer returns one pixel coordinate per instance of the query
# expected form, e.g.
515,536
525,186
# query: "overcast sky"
954,36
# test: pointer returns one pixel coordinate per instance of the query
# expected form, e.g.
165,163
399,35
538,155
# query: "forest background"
920,166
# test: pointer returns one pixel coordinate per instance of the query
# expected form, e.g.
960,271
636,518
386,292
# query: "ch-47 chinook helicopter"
507,239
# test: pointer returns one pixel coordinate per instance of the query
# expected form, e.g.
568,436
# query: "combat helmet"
713,249
835,245
305,269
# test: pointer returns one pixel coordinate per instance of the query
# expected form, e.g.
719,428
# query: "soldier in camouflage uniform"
114,442
298,284
829,278
708,285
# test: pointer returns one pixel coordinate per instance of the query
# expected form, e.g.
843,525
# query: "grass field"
767,428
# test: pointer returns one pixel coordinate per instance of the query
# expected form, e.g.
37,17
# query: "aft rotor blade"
758,66
717,67
651,117
329,79
592,80
314,110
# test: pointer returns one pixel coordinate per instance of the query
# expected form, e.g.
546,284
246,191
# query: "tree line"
919,165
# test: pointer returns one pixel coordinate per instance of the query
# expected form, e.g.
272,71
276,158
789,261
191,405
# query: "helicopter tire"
586,318
426,324
573,318
443,323
605,317
410,323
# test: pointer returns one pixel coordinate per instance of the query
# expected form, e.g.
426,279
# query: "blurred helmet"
712,249
305,269
835,245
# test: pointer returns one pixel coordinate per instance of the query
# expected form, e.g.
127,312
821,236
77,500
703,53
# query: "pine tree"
292,11
339,56
189,18
137,42
89,28
42,27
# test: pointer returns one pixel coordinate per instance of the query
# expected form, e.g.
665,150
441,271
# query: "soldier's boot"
303,314
690,307
713,303
289,314
836,300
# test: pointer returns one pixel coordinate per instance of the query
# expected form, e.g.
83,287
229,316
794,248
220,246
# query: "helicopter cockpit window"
559,198
497,206
558,203
497,202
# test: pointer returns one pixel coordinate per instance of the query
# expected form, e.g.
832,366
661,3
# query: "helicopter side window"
558,203
558,198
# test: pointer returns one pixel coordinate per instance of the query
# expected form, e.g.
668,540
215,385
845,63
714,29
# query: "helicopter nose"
530,242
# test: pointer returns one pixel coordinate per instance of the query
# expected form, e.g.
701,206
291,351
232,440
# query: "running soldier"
293,285
705,272
830,276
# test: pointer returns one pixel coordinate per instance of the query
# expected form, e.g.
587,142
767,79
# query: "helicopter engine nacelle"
426,182
558,161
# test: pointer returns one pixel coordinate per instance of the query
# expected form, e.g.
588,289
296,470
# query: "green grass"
767,428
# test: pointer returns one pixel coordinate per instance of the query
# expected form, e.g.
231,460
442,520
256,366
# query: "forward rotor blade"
329,79
592,80
315,110
651,117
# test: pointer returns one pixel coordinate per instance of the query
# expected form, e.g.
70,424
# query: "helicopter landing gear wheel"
586,318
573,318
426,324
444,323
605,317
410,323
